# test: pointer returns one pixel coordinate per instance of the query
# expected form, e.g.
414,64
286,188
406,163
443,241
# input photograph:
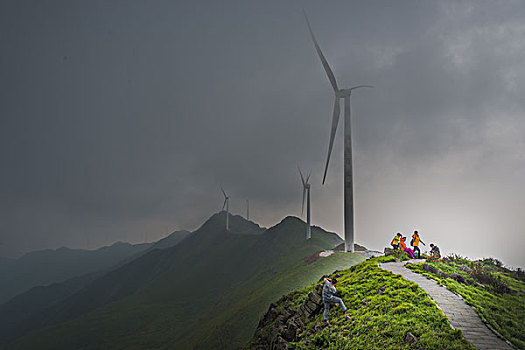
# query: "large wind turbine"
306,192
226,205
348,172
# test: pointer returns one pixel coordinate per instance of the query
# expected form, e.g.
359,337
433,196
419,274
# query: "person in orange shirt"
415,243
404,247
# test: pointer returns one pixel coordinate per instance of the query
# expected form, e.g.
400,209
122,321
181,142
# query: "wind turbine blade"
335,121
224,205
302,178
362,86
327,69
308,177
304,194
224,193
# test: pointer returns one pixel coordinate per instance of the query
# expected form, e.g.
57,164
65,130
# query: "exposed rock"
410,338
430,268
290,331
459,278
281,324
316,298
285,315
388,251
269,317
280,344
311,306
326,253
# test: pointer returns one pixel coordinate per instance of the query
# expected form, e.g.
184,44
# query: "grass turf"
496,293
382,308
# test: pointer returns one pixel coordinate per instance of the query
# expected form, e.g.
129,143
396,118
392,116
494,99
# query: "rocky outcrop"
281,325
312,306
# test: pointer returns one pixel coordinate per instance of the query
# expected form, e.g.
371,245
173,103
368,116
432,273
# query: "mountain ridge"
213,259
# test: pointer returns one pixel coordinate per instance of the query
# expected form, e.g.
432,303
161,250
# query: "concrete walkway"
454,307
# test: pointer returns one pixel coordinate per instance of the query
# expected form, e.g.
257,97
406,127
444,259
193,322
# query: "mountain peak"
237,224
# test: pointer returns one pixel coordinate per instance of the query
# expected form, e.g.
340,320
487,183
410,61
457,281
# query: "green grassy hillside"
232,321
154,300
496,293
383,309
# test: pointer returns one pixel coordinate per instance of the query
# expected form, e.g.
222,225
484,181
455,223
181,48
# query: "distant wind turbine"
348,172
247,209
306,192
226,205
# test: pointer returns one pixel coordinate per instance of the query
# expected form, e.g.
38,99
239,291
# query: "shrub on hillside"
457,259
518,274
455,276
483,275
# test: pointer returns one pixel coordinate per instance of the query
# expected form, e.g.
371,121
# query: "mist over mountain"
170,240
44,267
157,296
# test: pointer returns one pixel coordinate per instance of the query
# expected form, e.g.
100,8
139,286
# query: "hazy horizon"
121,120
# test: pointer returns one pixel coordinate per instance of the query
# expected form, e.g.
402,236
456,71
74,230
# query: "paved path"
454,307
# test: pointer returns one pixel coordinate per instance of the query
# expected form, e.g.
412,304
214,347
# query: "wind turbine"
348,171
247,209
306,192
226,204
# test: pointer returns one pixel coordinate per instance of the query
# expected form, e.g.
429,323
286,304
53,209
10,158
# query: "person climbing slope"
330,298
395,241
415,243
404,247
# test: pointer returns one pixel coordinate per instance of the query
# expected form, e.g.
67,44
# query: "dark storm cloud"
121,118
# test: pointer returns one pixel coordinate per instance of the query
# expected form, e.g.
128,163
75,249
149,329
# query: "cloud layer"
121,120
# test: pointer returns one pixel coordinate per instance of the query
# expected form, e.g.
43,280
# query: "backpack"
412,242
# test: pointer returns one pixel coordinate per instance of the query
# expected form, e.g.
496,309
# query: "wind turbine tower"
348,169
306,192
247,209
227,206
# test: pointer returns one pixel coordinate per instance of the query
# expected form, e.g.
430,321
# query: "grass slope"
382,308
233,320
496,293
150,302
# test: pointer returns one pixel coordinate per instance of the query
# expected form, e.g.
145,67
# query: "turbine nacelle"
342,93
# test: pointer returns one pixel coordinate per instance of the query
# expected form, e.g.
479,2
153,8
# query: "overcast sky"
120,120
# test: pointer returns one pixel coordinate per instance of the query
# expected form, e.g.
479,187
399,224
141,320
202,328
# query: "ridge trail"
460,315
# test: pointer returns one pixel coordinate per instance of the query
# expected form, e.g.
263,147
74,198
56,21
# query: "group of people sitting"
399,243
329,286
